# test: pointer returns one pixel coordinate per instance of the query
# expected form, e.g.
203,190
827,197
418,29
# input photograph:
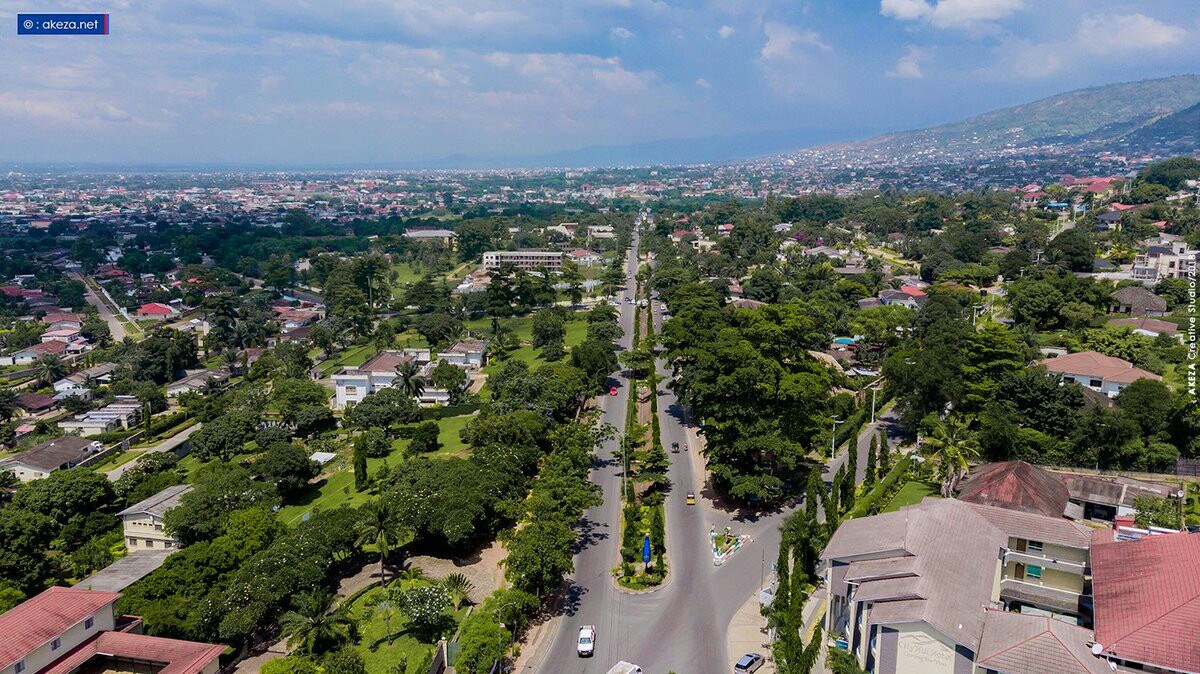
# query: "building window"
1033,572
1035,546
1096,383
55,644
19,667
149,543
89,623
351,390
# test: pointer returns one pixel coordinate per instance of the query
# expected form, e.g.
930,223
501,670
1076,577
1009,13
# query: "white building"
1097,371
354,384
1166,256
528,260
42,459
123,412
143,521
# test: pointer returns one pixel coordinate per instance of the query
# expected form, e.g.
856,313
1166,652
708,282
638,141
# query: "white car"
587,641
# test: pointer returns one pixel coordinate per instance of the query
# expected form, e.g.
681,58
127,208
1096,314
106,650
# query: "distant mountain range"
1132,116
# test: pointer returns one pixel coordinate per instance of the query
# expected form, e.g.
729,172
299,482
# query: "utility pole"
874,390
833,438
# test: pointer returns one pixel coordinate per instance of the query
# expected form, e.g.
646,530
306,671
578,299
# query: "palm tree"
50,368
379,528
312,628
954,446
8,404
388,610
409,380
459,588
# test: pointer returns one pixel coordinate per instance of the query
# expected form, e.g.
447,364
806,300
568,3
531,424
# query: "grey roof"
954,550
159,504
54,454
1020,643
126,571
1031,526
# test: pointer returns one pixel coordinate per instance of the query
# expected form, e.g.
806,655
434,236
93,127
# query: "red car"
612,391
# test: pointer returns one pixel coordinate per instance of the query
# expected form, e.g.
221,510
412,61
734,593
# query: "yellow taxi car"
691,498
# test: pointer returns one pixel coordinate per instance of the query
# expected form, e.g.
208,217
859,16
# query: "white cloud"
725,31
905,10
620,33
909,65
1126,32
703,83
951,13
785,42
1092,42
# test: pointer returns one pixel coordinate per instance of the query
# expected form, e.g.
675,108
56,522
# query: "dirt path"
484,570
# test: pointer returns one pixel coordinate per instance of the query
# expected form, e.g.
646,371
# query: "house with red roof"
1147,600
1094,370
65,630
157,310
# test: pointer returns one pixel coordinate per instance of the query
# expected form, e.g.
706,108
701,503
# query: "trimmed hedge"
883,491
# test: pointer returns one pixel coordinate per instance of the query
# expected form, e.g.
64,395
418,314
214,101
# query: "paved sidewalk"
747,633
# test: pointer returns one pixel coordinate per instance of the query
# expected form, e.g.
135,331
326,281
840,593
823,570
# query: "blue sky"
409,81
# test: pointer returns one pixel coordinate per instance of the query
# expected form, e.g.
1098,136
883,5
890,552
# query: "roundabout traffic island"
725,544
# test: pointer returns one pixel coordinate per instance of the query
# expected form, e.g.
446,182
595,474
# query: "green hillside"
1096,114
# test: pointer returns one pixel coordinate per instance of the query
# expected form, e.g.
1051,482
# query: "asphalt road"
682,626
114,325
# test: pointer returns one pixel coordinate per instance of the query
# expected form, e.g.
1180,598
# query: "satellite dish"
1097,649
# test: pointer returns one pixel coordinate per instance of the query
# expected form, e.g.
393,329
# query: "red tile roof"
1093,364
155,309
179,657
49,614
1147,599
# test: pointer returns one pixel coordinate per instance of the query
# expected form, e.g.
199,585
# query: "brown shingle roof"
384,361
1016,485
1094,364
52,454
1019,643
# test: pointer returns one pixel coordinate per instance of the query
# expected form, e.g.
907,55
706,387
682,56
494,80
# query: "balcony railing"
1043,596
1034,558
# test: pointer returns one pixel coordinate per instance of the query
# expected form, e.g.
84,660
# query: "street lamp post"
874,389
833,437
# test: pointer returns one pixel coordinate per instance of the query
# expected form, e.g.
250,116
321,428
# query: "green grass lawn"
117,459
406,274
911,493
337,490
355,355
379,657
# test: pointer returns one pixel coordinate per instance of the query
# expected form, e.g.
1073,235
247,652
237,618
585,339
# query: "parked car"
623,667
587,641
675,447
691,498
748,663
612,391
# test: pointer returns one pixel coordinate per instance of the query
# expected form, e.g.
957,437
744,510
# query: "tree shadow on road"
590,533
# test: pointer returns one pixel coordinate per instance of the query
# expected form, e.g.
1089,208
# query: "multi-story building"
910,591
528,260
1166,256
143,521
354,384
66,630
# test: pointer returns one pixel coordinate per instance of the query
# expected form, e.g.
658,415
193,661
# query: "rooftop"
172,655
160,503
1016,485
1147,599
1020,643
38,620
52,454
1094,364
